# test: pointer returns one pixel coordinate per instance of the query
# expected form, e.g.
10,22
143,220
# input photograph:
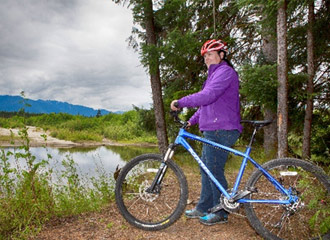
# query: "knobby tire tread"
176,213
307,166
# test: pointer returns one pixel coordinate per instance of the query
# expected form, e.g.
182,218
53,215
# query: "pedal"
216,208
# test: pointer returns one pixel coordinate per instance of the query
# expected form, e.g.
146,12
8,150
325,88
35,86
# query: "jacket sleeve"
215,87
195,118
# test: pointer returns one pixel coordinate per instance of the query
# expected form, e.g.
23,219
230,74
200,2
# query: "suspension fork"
155,186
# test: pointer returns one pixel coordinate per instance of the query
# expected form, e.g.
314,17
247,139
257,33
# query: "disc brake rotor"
146,196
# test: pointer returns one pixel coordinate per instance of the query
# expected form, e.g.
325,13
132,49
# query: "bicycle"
284,198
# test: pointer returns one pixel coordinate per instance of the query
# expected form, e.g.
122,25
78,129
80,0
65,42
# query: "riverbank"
38,138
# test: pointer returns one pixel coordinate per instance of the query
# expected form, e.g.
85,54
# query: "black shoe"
212,219
194,213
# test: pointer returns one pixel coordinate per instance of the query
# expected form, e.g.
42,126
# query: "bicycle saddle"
258,124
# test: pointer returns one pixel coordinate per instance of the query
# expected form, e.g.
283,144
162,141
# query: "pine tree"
282,74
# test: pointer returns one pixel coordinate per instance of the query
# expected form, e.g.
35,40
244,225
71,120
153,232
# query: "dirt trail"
35,136
109,224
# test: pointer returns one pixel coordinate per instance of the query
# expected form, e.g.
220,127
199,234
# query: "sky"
73,51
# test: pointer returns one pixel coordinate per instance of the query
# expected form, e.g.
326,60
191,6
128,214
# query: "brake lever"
175,115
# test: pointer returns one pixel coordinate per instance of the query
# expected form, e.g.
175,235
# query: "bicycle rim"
309,218
151,211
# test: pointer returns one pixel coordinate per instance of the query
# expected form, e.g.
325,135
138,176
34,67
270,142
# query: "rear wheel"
140,207
308,218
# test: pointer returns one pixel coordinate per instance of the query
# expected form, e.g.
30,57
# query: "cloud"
71,50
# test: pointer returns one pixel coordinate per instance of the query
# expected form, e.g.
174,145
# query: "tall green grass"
36,193
124,127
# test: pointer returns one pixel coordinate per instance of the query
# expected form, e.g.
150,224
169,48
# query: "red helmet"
214,45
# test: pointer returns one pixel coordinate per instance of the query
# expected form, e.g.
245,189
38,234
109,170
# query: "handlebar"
175,115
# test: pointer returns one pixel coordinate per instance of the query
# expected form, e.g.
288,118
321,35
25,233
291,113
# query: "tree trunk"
282,74
269,49
270,132
155,80
306,151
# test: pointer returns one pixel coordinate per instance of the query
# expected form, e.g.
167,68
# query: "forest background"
280,49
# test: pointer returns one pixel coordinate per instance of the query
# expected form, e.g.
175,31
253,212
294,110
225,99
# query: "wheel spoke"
300,220
148,210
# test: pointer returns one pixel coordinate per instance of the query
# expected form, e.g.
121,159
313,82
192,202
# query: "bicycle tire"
307,220
145,210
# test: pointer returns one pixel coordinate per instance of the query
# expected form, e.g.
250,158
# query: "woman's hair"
226,60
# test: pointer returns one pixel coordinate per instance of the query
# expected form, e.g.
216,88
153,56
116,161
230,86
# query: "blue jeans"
215,161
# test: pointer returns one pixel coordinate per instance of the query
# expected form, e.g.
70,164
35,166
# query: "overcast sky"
73,51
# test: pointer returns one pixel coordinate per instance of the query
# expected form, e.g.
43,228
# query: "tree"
282,73
306,151
143,14
269,51
156,87
98,114
264,13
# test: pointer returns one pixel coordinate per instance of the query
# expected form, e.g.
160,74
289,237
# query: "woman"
218,117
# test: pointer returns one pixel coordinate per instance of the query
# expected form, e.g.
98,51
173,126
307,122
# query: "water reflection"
88,160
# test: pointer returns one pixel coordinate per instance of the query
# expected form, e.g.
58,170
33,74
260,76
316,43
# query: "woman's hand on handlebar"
175,106
175,111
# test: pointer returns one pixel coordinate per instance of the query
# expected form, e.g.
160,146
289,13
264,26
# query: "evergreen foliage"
182,27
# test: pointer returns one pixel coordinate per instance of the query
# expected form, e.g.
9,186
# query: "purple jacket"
218,101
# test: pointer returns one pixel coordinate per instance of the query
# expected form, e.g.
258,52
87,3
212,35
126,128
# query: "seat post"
257,125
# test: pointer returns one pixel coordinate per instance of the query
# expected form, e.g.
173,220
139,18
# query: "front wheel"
307,218
145,209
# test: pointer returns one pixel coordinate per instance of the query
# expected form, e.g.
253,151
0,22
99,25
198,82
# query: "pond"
87,161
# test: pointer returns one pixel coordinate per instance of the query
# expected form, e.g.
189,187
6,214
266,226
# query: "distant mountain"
14,104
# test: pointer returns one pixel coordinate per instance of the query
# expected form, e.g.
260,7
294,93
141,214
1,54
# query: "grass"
126,127
30,196
6,138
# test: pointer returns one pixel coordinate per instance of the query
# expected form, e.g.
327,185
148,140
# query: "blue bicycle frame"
180,140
